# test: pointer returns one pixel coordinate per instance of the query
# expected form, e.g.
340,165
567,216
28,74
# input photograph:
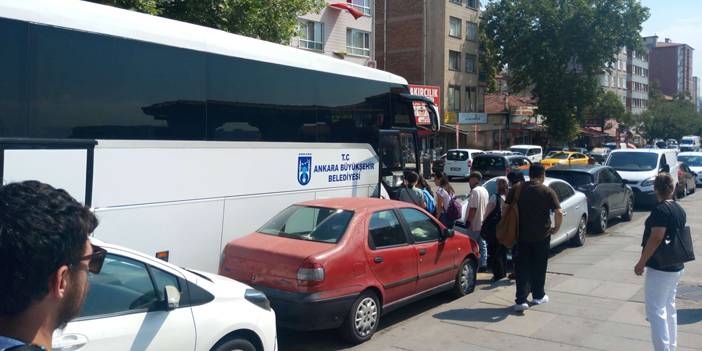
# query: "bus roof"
108,20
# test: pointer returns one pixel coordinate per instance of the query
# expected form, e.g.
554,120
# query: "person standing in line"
536,201
475,214
514,178
661,283
409,193
444,196
45,257
428,195
497,253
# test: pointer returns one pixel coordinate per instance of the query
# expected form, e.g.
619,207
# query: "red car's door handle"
378,259
422,252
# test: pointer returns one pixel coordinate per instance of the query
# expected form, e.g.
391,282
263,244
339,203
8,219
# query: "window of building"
471,31
363,5
454,60
472,3
470,99
455,27
454,98
311,34
357,42
471,63
480,100
458,2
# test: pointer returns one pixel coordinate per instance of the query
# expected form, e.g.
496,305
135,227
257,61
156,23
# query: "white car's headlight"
648,182
257,298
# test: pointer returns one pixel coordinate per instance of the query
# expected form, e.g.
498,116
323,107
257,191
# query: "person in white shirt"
477,205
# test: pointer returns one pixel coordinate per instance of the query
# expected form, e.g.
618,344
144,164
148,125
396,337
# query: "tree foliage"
559,47
607,106
272,20
667,119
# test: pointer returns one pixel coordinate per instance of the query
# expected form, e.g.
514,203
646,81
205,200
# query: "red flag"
345,6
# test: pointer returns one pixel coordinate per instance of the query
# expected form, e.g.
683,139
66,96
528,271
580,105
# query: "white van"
459,162
639,167
690,143
533,152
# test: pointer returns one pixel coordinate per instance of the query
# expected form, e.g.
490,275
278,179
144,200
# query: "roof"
108,20
356,203
651,151
577,168
525,146
495,103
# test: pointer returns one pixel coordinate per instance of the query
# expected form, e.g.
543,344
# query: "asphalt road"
596,304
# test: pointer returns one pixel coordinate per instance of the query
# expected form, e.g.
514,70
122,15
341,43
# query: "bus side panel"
361,191
190,232
63,169
244,215
133,176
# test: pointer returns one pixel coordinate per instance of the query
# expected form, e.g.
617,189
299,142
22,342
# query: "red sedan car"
344,262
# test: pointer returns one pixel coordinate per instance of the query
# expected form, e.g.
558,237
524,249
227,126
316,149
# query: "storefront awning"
448,128
345,6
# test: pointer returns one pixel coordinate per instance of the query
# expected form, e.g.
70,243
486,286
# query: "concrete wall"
336,22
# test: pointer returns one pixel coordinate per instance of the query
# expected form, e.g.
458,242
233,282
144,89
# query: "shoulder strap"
670,209
412,197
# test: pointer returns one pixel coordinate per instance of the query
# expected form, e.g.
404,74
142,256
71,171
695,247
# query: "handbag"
507,229
676,247
487,231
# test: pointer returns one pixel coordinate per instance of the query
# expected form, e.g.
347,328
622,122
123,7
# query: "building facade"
670,66
435,43
637,77
614,78
696,92
342,29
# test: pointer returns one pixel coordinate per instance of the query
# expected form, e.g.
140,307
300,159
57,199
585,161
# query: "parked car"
143,303
688,180
566,158
599,154
690,143
581,150
694,161
494,165
607,194
459,162
639,168
574,205
342,263
533,152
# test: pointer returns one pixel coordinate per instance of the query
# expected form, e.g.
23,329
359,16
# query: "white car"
694,161
574,205
639,168
533,152
138,302
459,162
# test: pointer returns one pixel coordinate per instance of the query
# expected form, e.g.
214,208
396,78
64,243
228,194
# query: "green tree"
272,20
670,119
608,106
559,48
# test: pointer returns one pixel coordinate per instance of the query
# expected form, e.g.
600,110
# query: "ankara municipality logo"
304,168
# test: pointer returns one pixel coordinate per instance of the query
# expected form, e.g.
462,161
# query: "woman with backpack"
428,195
445,203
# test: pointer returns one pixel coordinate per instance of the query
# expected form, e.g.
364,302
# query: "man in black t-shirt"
535,203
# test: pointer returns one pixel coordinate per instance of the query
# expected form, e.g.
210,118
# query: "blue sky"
679,20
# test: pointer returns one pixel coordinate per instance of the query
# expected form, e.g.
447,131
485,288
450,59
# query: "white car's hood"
638,176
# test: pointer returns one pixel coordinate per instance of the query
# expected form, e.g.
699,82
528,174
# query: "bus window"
390,152
408,147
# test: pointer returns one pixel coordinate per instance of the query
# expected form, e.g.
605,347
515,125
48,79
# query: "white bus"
182,137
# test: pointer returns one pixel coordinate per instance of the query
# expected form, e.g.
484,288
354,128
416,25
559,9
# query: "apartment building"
627,76
342,29
435,43
671,66
696,92
614,78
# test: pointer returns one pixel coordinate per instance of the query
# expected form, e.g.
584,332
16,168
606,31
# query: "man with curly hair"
45,257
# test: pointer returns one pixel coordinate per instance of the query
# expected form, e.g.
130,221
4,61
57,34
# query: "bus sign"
428,91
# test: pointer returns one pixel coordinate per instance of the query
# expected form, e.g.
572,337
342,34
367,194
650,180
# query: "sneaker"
521,307
540,301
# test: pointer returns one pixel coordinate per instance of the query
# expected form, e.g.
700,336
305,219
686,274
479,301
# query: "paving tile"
630,313
527,324
615,343
578,286
567,329
613,290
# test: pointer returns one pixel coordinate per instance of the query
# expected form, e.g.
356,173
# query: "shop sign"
428,91
472,118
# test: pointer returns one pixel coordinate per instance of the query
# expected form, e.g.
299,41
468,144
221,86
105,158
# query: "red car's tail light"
310,274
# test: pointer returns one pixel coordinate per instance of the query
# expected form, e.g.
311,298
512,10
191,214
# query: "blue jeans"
482,244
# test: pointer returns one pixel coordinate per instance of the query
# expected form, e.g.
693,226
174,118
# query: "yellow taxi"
565,158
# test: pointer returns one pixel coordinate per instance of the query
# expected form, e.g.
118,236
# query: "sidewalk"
596,304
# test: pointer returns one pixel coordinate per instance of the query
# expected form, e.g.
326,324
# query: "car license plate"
455,169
